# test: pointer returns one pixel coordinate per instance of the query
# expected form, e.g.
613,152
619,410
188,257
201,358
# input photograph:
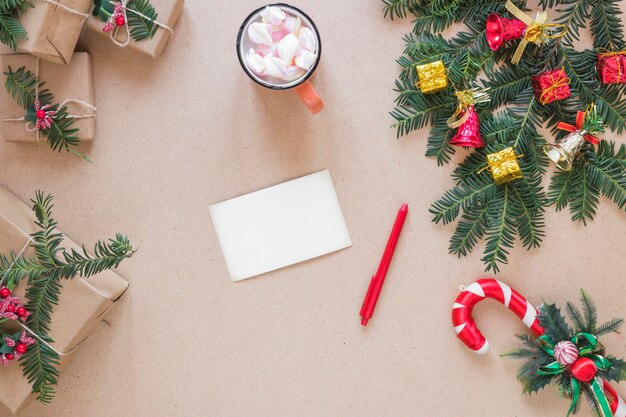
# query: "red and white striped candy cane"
467,331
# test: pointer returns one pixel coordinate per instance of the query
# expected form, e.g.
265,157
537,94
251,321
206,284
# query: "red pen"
376,284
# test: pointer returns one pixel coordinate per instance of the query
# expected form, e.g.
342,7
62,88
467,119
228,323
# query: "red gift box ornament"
466,119
612,67
538,31
551,86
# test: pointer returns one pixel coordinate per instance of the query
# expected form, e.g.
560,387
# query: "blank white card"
279,226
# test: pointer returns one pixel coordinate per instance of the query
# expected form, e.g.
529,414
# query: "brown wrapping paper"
72,82
53,31
82,302
168,13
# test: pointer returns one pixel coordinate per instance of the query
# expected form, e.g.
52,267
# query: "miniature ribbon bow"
467,98
580,118
537,32
588,347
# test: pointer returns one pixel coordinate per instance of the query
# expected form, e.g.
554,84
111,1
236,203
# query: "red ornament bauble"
468,134
11,308
41,114
120,21
9,357
584,369
500,30
5,292
21,348
21,311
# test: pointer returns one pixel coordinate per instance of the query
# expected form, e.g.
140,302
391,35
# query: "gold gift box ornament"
432,77
504,166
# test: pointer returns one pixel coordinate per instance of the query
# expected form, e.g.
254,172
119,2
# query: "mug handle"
309,97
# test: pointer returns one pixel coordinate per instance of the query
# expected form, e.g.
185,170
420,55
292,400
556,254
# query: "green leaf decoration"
554,323
513,117
141,27
45,272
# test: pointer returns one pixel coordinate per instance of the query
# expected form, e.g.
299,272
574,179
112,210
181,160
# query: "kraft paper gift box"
82,302
168,12
53,28
65,82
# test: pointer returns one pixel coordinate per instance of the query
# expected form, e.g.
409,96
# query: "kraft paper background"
190,129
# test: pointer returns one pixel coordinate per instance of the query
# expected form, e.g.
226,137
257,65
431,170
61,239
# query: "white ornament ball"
565,353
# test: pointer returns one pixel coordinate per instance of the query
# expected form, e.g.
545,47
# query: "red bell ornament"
500,30
584,369
468,134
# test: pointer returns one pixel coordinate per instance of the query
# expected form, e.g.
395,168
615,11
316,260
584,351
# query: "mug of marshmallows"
279,47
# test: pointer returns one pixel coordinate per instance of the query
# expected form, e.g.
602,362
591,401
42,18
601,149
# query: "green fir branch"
141,26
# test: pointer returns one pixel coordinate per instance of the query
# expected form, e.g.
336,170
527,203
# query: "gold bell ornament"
565,150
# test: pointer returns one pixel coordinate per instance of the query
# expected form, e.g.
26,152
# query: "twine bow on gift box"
121,9
582,371
466,99
537,32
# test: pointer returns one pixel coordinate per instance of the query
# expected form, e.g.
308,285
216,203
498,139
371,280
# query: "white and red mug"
279,47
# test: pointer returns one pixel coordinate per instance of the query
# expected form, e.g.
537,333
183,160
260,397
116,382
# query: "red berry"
21,311
20,348
11,308
5,292
120,21
41,114
9,357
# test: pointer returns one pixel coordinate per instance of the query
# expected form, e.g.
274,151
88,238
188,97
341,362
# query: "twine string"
125,11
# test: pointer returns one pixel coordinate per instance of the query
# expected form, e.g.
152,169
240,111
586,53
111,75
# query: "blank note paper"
280,226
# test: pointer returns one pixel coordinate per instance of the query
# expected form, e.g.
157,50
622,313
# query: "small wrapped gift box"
504,166
432,77
53,28
74,82
551,86
612,67
167,14
82,302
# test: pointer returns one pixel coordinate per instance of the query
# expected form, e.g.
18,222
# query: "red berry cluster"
10,307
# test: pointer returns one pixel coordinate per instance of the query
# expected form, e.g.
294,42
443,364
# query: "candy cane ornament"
466,329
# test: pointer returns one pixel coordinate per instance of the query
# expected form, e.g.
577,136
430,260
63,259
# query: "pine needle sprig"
141,27
513,117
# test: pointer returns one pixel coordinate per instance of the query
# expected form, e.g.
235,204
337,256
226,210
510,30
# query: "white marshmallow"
274,66
306,59
255,62
288,47
308,40
273,15
292,24
260,33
